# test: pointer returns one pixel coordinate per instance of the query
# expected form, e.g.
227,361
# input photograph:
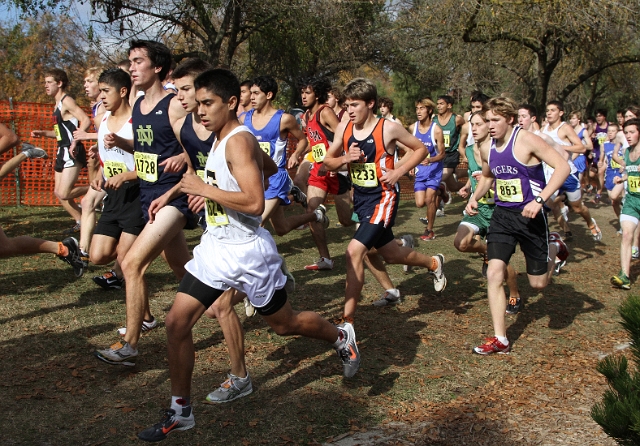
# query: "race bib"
615,165
200,173
319,151
266,147
215,213
113,168
488,198
146,166
364,174
633,183
602,138
510,190
56,130
447,138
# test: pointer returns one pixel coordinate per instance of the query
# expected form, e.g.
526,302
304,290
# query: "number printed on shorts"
113,168
510,190
266,147
215,213
364,174
634,184
146,166
318,151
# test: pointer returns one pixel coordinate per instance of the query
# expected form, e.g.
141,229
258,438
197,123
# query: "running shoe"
428,235
440,213
348,352
118,354
321,216
73,258
492,346
514,306
635,253
597,198
322,264
558,266
249,309
232,389
563,251
595,231
424,220
565,213
621,281
485,265
299,196
568,236
407,242
439,279
31,151
146,326
170,422
388,299
445,195
290,286
75,229
109,281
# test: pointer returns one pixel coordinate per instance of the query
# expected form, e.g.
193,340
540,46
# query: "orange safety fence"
35,181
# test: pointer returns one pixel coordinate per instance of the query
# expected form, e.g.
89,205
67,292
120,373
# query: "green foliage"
619,411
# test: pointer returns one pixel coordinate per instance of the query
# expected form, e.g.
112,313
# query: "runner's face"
553,114
479,128
574,121
612,132
245,96
498,125
186,93
629,115
213,111
358,110
632,135
600,119
308,97
476,106
331,100
143,74
422,112
259,98
620,118
91,87
51,86
524,119
442,106
110,96
384,110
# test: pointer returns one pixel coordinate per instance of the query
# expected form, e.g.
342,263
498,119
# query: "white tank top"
115,160
553,134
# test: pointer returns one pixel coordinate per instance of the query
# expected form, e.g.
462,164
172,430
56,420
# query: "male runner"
428,174
71,156
478,225
386,110
245,99
598,137
515,164
367,145
163,205
234,193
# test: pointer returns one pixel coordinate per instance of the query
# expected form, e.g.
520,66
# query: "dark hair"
58,75
386,102
361,89
220,82
337,93
634,121
158,54
320,86
478,96
192,66
446,98
531,109
633,109
116,78
620,111
266,84
246,83
557,104
601,111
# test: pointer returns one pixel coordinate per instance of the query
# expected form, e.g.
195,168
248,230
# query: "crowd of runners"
189,146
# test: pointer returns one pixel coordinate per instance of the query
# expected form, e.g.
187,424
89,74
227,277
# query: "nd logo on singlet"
202,158
145,135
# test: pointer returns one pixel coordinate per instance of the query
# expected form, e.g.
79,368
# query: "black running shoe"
299,196
74,257
109,281
514,306
170,422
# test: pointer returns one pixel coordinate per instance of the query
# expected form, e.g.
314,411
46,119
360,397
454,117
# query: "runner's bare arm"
288,124
335,159
8,138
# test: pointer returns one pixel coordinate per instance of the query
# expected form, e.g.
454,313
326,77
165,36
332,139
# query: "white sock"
342,338
394,292
178,402
504,340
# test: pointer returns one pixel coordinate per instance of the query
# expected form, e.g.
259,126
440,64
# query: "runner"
630,213
580,159
428,174
163,205
515,164
611,156
71,156
598,137
235,199
386,110
370,146
478,225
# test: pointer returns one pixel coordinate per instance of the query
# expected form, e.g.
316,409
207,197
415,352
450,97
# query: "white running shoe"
439,279
232,389
146,326
249,309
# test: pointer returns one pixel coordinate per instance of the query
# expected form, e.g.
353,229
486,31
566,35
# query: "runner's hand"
196,203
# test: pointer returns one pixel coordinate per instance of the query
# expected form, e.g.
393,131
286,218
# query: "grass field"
418,379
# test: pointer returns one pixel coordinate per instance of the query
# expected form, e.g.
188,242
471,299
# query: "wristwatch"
539,199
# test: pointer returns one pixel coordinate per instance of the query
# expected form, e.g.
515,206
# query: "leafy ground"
418,384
